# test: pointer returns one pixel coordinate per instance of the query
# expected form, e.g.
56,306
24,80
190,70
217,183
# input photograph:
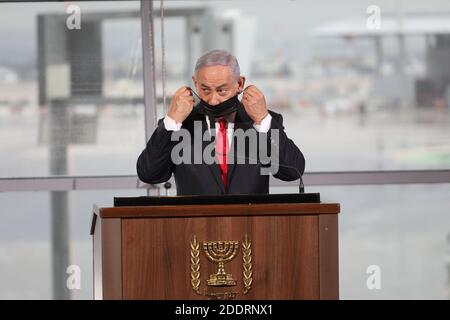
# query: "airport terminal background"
356,99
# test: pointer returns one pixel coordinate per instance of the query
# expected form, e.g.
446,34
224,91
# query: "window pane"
349,102
71,88
402,229
26,241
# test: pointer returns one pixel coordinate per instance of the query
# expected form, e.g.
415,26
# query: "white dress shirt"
264,127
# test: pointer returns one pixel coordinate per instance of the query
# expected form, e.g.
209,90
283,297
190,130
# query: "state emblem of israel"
220,253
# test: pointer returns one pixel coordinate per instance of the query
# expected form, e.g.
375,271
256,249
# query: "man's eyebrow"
219,87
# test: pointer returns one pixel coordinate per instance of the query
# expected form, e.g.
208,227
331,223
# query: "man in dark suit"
218,82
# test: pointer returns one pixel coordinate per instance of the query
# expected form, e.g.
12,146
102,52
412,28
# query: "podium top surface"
216,206
211,200
213,206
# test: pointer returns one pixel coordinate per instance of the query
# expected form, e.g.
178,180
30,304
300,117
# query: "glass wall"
354,94
26,255
360,87
71,88
402,229
322,69
401,232
71,103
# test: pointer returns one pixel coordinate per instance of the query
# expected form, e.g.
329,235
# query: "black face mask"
219,110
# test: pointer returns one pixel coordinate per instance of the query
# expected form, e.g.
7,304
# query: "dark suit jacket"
155,165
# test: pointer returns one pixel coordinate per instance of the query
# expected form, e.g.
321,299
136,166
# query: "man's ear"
241,83
195,82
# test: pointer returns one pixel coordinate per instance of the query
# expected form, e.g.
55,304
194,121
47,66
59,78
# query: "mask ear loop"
194,94
244,91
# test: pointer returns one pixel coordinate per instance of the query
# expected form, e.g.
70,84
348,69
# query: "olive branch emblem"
195,264
247,270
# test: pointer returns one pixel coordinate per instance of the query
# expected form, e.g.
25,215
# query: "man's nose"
213,99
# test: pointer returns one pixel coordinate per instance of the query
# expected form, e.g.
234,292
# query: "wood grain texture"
96,232
111,258
220,210
329,256
156,256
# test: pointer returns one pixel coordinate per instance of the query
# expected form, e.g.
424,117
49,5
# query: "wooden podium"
196,250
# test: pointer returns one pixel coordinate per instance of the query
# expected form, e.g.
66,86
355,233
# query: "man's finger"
248,97
180,90
188,99
248,87
249,92
185,93
253,92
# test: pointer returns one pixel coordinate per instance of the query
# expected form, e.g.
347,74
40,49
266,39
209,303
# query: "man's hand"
254,104
181,105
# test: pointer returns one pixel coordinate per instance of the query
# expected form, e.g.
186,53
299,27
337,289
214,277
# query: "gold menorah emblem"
221,252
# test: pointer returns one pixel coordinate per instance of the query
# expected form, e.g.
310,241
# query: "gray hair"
219,57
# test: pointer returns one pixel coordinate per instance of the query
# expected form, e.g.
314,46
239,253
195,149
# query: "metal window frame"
78,183
75,183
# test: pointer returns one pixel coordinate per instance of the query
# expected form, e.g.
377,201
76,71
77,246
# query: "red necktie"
222,150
